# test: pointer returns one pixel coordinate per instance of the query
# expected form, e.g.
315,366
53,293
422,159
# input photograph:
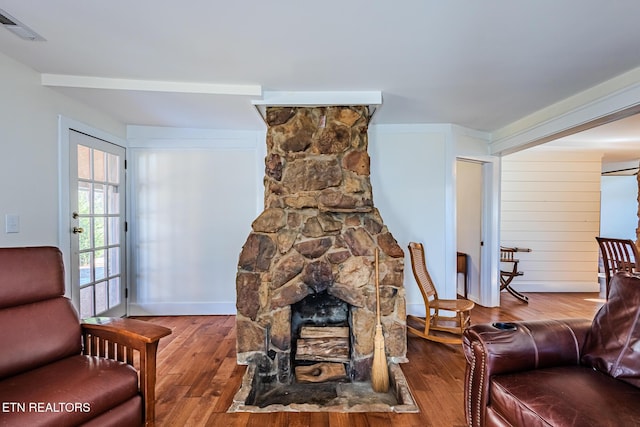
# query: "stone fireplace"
305,282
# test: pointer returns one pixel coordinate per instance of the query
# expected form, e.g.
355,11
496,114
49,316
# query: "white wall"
411,177
551,204
194,195
29,159
619,207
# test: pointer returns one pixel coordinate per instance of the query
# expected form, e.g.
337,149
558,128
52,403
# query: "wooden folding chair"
507,275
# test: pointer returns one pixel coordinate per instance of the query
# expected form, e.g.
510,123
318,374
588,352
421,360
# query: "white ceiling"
618,142
478,64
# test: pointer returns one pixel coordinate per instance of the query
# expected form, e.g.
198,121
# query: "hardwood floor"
198,375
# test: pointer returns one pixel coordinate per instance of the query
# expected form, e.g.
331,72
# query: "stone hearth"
317,236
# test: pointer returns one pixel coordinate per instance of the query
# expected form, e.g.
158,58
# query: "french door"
97,225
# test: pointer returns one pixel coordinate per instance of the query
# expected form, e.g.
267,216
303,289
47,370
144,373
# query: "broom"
379,369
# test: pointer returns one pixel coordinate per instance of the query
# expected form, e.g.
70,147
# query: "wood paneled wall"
551,204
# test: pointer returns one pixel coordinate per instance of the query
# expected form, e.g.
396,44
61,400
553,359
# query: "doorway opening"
469,213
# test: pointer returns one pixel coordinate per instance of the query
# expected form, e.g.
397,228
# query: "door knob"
78,230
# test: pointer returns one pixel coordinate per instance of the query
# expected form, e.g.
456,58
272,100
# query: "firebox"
320,339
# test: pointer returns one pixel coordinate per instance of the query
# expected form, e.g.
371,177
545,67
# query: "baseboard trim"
182,309
556,286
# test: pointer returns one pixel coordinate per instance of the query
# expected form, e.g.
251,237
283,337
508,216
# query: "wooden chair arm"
136,330
118,338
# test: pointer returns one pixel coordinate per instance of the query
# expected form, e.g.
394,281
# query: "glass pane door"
97,243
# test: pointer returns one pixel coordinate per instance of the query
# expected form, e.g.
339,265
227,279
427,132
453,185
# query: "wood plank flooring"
198,375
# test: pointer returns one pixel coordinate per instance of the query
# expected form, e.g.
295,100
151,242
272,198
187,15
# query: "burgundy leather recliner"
572,372
56,371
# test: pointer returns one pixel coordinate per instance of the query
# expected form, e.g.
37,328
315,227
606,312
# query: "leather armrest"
117,338
520,346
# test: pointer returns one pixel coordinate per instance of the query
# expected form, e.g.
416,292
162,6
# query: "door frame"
65,126
490,252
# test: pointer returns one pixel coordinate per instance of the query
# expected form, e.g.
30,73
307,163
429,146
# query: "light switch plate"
12,223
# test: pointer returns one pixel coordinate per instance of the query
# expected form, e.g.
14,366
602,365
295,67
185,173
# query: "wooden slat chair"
434,321
510,273
618,255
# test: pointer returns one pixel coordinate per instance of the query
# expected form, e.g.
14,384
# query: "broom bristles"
379,368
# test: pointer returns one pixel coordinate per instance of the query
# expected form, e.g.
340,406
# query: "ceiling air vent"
18,28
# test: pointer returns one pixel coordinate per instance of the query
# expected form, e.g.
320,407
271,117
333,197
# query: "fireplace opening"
321,339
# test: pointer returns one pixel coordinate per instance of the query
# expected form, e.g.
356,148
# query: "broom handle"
377,289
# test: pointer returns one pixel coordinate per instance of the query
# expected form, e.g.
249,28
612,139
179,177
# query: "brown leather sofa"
572,372
56,371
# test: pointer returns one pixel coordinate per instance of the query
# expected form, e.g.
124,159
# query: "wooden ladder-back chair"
434,321
618,255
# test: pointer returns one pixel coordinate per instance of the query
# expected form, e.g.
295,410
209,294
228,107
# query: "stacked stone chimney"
318,233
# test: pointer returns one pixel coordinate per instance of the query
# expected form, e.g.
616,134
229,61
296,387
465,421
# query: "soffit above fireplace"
372,99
